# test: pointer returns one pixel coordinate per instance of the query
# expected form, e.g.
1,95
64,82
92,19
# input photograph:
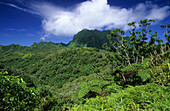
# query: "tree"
139,40
118,44
166,32
142,41
15,95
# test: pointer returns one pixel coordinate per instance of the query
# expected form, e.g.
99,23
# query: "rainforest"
96,71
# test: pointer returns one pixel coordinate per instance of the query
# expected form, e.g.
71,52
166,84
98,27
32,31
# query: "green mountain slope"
89,38
65,76
57,71
80,76
50,67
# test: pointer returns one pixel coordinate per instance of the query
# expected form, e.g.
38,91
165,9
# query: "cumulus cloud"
93,14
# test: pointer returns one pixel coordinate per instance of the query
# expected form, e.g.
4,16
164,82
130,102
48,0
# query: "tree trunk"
127,58
123,76
136,59
142,59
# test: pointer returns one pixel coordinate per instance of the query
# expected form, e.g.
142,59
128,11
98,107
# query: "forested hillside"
96,71
89,38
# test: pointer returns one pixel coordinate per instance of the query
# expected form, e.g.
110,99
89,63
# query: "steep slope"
89,38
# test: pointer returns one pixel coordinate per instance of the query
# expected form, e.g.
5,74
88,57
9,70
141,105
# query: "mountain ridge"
88,38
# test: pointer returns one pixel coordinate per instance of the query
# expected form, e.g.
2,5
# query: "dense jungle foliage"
97,71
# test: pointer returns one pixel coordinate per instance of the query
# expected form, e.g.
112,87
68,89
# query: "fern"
98,83
95,86
133,67
83,92
146,97
95,89
145,75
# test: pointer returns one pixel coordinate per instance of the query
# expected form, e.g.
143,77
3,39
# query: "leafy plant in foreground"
145,97
15,95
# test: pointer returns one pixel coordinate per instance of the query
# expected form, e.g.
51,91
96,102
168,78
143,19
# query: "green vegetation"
133,73
145,97
15,95
89,38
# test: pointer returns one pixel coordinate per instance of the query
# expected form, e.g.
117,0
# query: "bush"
146,97
15,95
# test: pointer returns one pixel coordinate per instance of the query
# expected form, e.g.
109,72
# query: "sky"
26,21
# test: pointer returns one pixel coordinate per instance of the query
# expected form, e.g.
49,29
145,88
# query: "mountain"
48,44
82,76
84,38
55,66
35,47
73,77
89,38
57,73
12,48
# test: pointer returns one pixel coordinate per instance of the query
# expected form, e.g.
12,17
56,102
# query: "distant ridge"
84,38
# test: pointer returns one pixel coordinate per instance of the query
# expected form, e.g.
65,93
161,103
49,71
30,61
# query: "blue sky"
26,21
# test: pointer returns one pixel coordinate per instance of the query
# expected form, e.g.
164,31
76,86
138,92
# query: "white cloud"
159,13
42,38
19,8
19,30
93,14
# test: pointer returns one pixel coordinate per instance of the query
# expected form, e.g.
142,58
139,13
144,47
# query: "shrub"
146,97
15,95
